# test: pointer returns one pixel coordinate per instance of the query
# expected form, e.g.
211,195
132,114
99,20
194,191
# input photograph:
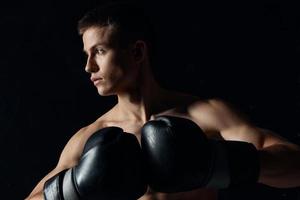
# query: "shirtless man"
119,57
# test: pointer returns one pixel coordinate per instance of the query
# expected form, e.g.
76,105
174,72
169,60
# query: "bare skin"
126,73
75,146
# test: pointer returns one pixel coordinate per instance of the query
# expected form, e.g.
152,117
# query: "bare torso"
178,107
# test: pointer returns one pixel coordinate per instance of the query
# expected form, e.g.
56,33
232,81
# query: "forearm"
280,166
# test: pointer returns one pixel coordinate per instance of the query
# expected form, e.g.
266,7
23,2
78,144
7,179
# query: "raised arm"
279,158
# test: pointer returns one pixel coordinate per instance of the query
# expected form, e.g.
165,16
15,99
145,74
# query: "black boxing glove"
110,168
179,157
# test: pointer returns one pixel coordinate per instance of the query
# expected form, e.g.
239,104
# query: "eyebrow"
95,45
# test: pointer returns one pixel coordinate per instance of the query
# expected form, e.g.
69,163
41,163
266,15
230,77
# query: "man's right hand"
110,168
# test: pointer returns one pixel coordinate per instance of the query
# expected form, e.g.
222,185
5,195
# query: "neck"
140,102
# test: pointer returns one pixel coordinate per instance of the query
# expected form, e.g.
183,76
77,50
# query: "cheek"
116,67
111,69
116,75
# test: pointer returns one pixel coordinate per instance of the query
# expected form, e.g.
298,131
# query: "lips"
93,79
96,80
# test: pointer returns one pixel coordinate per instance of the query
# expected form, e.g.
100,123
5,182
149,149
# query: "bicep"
39,187
68,158
260,137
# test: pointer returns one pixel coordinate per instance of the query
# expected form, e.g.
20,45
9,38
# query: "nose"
91,65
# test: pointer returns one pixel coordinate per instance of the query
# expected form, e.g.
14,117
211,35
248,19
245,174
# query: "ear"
139,51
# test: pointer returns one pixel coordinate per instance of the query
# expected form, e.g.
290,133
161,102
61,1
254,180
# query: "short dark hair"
128,19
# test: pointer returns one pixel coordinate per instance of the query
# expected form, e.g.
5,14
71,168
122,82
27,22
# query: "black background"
245,53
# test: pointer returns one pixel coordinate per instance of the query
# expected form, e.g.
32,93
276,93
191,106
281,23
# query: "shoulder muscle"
73,149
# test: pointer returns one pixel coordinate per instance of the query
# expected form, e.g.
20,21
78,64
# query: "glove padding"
110,168
179,157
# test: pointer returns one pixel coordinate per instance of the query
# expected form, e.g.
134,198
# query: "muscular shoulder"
73,149
216,114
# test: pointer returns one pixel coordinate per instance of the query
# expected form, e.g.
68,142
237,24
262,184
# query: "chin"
104,93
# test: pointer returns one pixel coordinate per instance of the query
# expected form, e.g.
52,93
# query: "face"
112,69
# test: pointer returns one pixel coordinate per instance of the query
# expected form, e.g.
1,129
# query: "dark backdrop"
241,52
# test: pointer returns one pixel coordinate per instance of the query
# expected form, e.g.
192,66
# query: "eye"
100,51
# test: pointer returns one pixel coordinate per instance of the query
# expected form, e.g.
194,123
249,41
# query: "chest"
135,127
199,194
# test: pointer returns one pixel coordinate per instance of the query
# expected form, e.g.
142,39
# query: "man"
119,44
